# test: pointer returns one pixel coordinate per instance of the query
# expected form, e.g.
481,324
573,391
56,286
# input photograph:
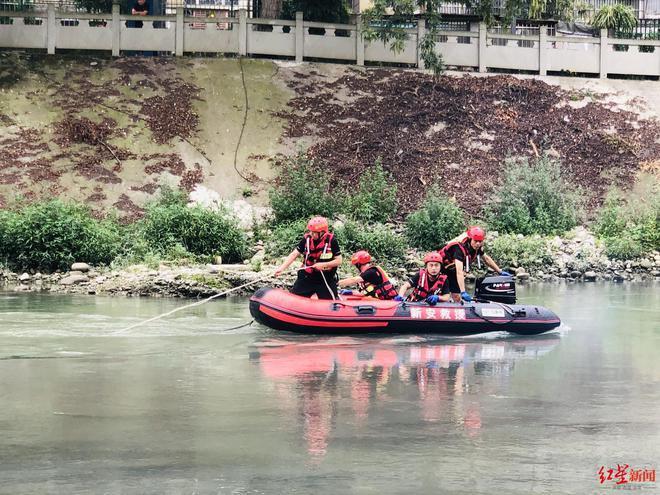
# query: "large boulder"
646,264
74,279
245,213
80,267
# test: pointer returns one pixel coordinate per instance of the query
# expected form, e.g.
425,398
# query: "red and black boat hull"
282,310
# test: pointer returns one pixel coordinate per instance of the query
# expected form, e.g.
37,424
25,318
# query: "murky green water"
190,405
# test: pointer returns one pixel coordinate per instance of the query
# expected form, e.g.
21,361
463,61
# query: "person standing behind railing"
139,8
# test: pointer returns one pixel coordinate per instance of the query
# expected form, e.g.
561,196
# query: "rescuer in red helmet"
459,255
322,256
429,284
372,280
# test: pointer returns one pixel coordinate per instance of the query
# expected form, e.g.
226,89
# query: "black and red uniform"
377,284
310,281
462,251
425,285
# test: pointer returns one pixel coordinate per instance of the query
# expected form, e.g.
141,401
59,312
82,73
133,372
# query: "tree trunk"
270,9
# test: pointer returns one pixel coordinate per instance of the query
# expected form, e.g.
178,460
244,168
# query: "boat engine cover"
497,289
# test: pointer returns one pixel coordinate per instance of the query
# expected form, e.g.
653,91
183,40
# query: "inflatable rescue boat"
493,310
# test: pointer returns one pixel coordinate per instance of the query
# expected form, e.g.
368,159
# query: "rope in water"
214,296
197,303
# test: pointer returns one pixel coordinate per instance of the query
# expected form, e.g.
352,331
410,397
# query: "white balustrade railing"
51,30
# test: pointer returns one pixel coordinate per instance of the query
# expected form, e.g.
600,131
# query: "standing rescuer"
372,280
322,256
458,256
429,284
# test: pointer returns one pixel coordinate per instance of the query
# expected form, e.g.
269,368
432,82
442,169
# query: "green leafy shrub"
629,228
285,237
135,250
623,248
616,17
386,246
171,227
650,36
439,220
611,219
375,197
303,191
534,198
318,10
529,252
53,234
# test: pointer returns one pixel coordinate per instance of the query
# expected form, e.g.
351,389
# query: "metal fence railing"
460,26
521,29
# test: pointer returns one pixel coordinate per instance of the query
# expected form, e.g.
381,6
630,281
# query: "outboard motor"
497,289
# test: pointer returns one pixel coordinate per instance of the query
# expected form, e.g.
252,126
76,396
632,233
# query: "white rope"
328,287
203,301
198,303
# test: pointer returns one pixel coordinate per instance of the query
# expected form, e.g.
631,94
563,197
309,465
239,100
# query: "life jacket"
448,261
425,288
384,290
317,251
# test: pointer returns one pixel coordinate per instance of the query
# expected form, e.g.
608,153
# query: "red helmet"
476,233
317,224
361,258
432,256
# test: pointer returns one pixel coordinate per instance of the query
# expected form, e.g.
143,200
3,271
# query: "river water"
191,404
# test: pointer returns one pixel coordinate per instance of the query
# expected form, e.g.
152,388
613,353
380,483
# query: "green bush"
623,248
136,250
534,198
285,237
375,197
611,219
171,227
303,191
53,234
617,17
386,246
629,228
529,252
439,220
650,36
316,10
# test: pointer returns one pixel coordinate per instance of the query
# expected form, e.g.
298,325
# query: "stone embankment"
139,280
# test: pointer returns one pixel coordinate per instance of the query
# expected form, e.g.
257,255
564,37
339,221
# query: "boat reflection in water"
342,380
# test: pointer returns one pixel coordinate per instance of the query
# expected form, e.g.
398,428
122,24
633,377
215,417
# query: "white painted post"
421,31
178,33
51,29
116,30
543,47
359,41
242,33
604,48
482,47
300,37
